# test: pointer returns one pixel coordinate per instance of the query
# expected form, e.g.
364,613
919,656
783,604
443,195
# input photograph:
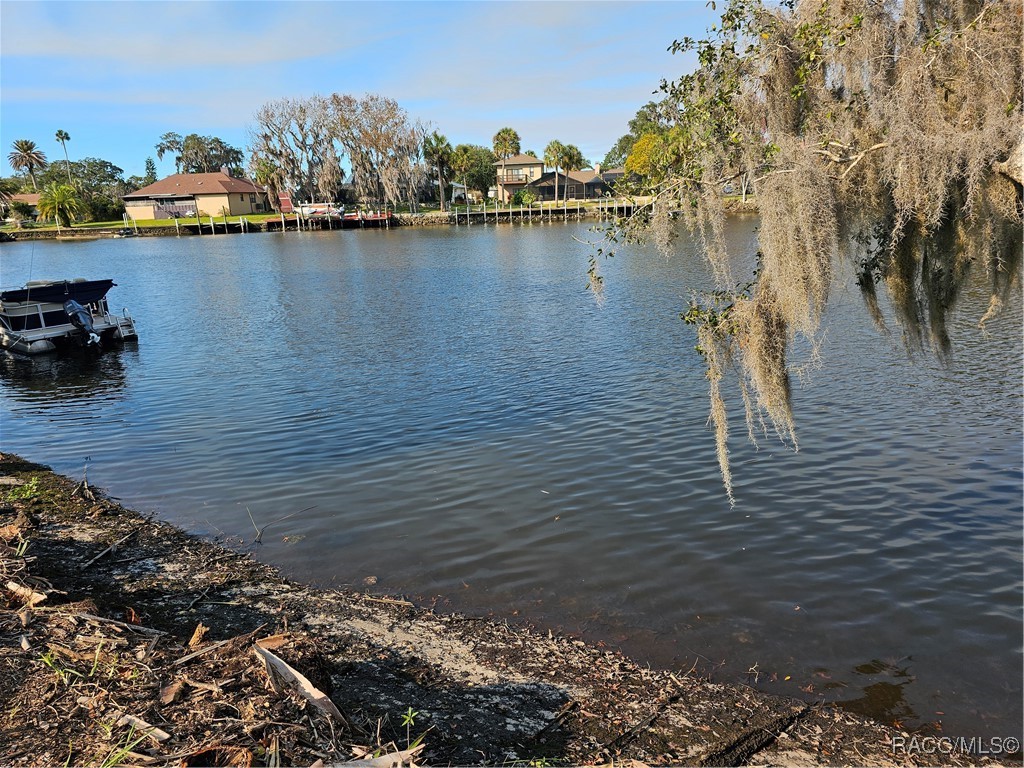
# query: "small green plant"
63,674
124,747
409,720
25,491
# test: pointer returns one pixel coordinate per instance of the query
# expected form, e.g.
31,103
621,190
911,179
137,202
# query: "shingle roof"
197,184
521,160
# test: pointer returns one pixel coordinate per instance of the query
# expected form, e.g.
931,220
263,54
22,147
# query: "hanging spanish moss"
885,134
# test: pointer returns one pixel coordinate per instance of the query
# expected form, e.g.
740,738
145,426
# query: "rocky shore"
124,640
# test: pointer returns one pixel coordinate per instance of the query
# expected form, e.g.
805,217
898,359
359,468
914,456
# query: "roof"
30,199
521,160
196,184
588,176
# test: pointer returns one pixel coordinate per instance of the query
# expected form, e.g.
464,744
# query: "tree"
886,136
150,177
553,154
506,144
438,154
476,166
8,189
208,154
646,159
99,185
383,145
170,143
59,202
293,149
650,119
27,157
64,138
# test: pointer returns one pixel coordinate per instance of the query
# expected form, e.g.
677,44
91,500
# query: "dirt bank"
113,666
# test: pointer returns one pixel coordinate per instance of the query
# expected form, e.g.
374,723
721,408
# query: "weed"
25,491
409,720
117,755
63,674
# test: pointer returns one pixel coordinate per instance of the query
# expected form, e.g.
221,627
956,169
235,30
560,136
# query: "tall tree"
506,144
150,177
64,138
26,156
59,202
293,149
170,143
883,135
438,154
554,153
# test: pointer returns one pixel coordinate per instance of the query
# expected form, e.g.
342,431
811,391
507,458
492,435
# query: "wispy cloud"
568,70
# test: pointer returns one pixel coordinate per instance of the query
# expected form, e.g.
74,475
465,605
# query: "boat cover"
59,291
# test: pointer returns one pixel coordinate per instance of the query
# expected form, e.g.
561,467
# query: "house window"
252,198
572,191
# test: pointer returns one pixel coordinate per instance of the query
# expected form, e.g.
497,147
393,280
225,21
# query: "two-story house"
516,172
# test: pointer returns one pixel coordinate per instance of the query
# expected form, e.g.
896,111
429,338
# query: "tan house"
207,194
519,170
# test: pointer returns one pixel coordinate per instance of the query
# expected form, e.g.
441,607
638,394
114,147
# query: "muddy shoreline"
477,690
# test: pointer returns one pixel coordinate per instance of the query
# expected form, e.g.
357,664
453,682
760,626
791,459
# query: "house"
188,194
31,200
588,184
516,172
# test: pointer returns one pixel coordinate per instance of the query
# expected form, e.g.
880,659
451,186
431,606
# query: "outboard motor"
81,319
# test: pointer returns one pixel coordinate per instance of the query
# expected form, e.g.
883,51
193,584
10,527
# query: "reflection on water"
883,697
463,424
77,374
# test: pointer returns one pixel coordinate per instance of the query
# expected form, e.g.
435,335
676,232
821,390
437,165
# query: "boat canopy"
59,291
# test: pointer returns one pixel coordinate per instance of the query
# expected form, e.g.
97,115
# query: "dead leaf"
277,665
198,635
404,758
141,725
169,693
31,597
221,757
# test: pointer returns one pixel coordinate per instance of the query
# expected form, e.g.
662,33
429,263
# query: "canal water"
448,414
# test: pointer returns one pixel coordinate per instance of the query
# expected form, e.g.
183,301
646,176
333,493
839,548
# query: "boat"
46,315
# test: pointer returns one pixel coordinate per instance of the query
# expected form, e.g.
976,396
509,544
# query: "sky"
118,75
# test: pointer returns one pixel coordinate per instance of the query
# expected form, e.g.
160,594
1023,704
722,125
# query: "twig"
388,601
207,649
112,547
122,624
259,531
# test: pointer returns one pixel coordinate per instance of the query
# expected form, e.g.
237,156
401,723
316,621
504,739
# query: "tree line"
296,146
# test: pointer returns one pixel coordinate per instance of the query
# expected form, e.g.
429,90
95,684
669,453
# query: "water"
449,412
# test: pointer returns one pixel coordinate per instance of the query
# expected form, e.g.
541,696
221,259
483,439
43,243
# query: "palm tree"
64,138
26,156
438,152
462,161
553,154
8,189
506,144
59,202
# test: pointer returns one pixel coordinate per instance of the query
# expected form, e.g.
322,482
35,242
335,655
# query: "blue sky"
118,75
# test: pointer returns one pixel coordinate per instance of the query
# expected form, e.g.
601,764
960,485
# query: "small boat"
45,315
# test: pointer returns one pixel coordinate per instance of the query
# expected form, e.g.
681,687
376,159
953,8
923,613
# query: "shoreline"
429,219
482,691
